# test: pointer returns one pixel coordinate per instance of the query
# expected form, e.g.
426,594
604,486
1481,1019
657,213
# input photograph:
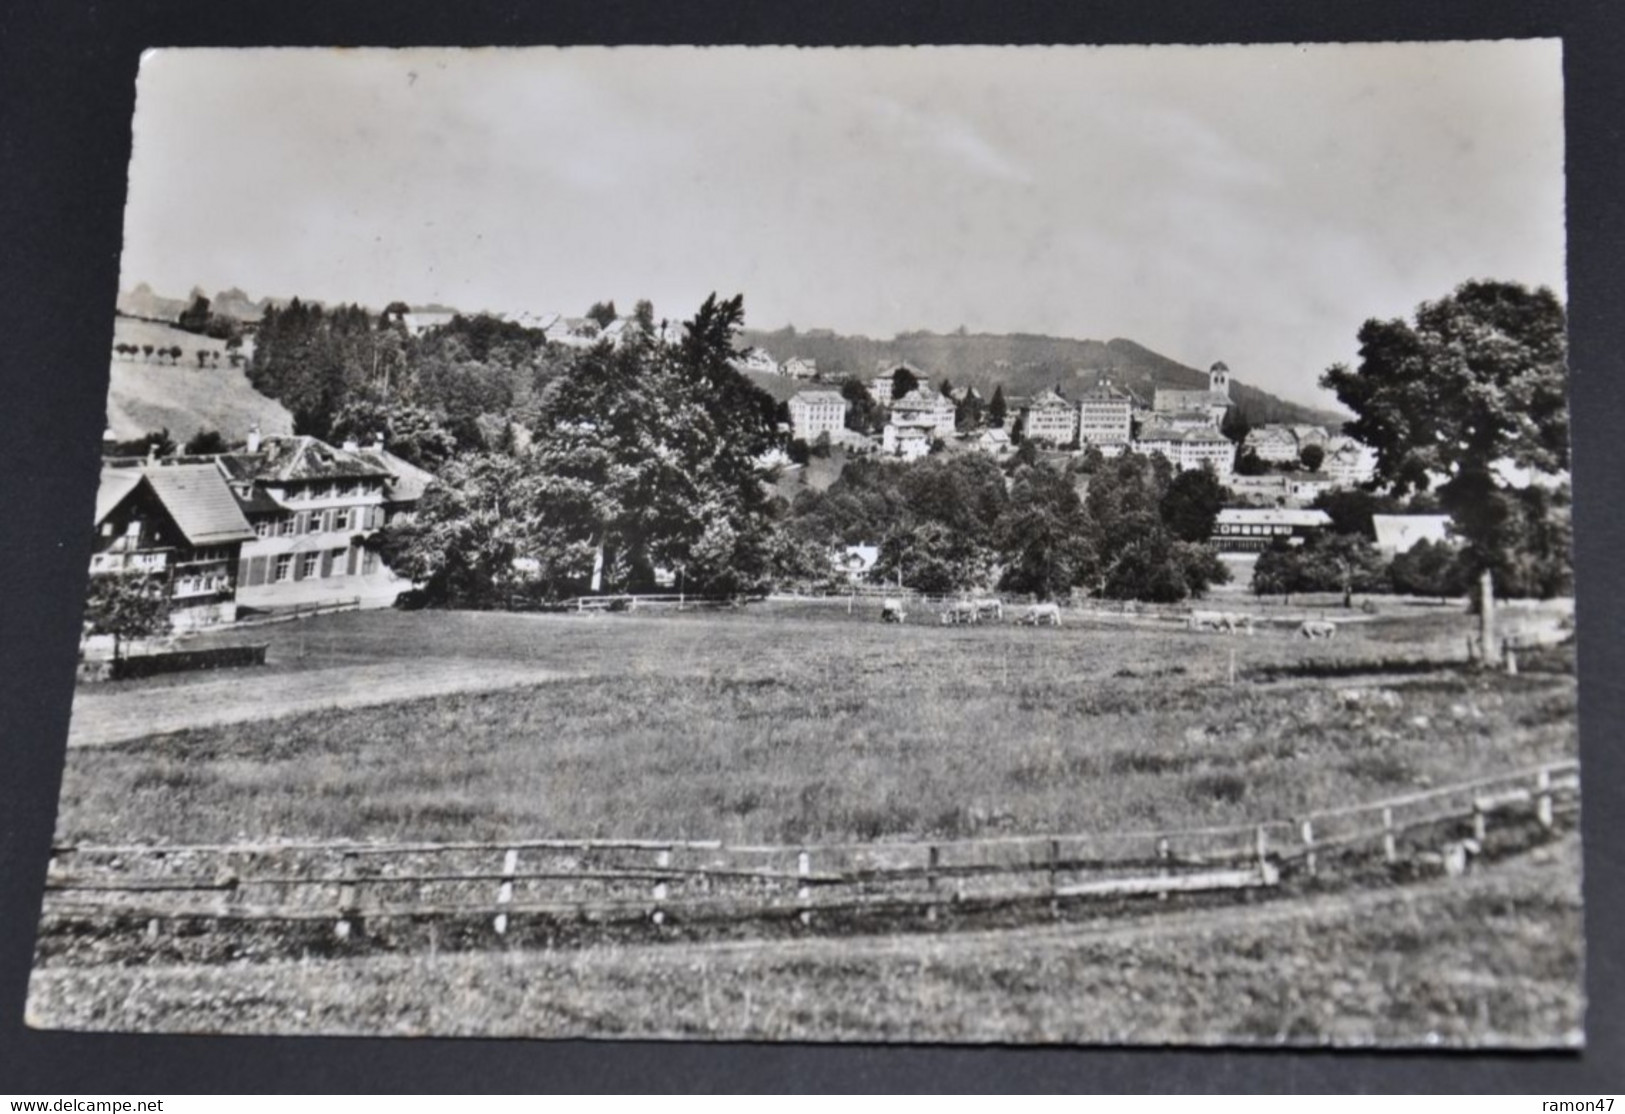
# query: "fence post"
510,862
347,902
1480,824
1390,852
662,860
933,858
803,890
1054,879
1261,845
1309,861
1543,798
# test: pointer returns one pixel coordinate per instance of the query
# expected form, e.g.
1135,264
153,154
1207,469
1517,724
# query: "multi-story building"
311,507
1105,415
1189,449
880,387
178,522
1050,418
926,409
1273,444
1180,407
816,412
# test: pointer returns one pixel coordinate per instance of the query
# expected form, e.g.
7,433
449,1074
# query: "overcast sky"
1251,204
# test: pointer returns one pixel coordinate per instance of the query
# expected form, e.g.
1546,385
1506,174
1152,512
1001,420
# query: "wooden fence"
353,885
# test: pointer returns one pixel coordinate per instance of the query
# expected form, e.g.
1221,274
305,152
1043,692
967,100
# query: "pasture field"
183,398
794,722
811,726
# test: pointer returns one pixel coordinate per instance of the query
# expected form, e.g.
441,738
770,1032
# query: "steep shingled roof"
116,484
197,498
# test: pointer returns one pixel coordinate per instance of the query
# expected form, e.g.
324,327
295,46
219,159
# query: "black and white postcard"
955,544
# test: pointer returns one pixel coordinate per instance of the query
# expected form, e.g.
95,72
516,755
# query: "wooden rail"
652,881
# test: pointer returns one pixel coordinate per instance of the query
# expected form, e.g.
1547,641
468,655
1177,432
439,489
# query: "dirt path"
102,718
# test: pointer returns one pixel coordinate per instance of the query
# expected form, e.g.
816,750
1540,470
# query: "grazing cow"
1040,613
1234,622
891,611
1205,620
1318,628
960,611
990,609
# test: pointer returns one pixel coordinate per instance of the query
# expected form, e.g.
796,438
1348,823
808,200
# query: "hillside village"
250,521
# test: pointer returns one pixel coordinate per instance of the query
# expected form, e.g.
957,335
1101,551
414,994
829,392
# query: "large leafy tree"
1476,383
644,455
1043,536
1191,505
461,543
410,432
1428,568
126,606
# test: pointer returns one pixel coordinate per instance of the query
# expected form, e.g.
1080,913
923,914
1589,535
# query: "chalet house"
1349,462
178,522
798,367
1050,418
1253,529
816,412
993,442
1213,402
1105,415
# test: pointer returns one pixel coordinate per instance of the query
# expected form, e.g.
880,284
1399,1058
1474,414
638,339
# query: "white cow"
1230,622
1318,628
1040,613
960,611
990,608
891,611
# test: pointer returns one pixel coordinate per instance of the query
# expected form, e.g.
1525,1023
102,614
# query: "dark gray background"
67,86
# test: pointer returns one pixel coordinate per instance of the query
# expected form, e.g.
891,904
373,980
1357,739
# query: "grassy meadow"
801,722
806,724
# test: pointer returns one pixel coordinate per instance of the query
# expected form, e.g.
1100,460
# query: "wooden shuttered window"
256,571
